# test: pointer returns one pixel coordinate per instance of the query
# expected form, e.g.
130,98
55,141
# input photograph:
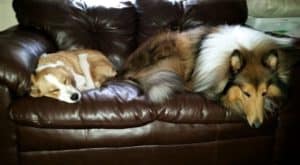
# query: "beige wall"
7,15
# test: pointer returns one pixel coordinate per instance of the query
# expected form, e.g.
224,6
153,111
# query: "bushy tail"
160,86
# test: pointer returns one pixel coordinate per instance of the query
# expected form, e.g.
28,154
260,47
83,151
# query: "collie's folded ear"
236,61
270,60
34,91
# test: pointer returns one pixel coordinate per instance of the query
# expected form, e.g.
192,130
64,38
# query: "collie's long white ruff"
213,61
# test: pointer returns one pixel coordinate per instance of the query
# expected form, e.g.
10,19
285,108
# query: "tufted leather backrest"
157,15
116,27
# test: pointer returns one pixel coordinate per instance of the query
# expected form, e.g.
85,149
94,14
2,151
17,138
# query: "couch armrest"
8,144
287,138
19,52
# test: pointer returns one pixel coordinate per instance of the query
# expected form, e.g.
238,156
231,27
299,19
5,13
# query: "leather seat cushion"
117,105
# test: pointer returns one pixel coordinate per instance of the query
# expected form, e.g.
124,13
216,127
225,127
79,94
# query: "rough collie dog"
244,69
63,75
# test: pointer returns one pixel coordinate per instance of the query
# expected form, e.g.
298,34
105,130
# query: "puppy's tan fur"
100,69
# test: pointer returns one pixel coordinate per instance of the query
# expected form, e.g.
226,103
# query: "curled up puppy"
64,74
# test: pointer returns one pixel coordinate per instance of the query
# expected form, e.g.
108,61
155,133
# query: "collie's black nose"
75,96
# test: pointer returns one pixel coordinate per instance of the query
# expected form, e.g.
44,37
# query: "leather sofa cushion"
118,115
117,105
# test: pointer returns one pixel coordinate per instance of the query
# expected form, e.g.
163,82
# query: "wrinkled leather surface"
20,49
183,14
109,26
154,133
287,143
117,105
118,118
8,144
239,152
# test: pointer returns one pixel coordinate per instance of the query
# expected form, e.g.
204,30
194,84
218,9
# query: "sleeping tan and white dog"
63,75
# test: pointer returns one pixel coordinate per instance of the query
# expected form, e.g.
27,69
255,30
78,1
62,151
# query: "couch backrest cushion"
117,26
82,23
158,15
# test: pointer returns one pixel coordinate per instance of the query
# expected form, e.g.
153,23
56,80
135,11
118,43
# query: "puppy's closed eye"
34,91
66,81
54,91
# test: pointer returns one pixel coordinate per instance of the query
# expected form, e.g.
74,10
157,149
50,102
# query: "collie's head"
243,68
254,85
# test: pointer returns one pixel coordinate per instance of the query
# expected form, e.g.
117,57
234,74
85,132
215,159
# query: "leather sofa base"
240,151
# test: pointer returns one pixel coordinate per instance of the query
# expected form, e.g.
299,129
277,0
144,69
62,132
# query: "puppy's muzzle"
70,95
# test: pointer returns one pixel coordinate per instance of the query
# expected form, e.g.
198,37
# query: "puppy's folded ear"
34,91
270,60
236,61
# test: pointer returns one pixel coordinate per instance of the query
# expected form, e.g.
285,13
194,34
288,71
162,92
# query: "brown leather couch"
116,124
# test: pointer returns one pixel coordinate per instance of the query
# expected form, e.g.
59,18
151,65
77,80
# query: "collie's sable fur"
244,69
